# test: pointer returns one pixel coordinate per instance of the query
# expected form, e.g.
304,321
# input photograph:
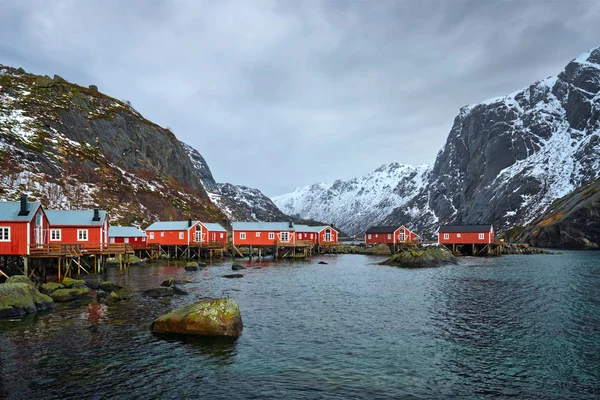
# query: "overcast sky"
280,94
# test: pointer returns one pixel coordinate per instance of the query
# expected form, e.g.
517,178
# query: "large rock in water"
421,258
207,317
21,298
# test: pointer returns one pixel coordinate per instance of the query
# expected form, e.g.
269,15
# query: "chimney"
23,211
96,215
332,225
189,222
291,225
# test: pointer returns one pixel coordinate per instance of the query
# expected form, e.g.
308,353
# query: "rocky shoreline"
428,257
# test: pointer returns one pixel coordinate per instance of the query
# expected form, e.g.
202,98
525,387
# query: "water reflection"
220,350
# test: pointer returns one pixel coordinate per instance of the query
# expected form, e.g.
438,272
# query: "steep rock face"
504,162
571,222
357,203
507,159
239,203
74,147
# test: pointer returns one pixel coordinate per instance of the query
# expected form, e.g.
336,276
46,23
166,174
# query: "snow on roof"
170,226
9,211
125,231
213,227
262,226
75,217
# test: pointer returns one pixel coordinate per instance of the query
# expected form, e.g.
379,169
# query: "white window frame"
82,235
312,236
181,235
481,236
389,236
242,235
458,235
369,236
257,234
446,236
54,237
162,234
287,237
271,235
299,236
151,235
376,235
221,235
4,233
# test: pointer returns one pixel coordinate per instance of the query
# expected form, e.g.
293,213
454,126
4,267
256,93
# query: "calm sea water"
517,326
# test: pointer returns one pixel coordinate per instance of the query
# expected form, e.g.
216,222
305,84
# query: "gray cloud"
278,94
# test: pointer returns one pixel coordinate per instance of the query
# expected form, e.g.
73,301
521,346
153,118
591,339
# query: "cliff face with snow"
506,159
355,203
239,203
74,147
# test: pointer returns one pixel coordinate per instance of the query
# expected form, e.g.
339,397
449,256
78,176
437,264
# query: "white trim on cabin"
242,235
481,236
271,235
55,235
82,235
4,233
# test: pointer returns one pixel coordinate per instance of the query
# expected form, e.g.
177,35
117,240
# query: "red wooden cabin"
466,234
324,234
126,234
88,228
263,233
22,224
395,234
175,233
215,233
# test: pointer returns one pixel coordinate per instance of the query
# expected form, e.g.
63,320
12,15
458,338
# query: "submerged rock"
237,267
421,258
233,276
50,287
207,317
179,291
168,282
159,292
191,266
21,298
69,294
322,263
109,287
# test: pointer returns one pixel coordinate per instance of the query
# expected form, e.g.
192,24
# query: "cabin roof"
170,226
465,228
75,217
262,226
384,229
9,211
213,227
312,229
125,231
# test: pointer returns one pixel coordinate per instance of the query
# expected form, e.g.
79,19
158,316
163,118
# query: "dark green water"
518,326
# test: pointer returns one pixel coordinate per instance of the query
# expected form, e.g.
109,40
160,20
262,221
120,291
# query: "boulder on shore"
192,266
237,267
73,283
66,295
109,286
50,287
21,298
19,279
421,258
207,317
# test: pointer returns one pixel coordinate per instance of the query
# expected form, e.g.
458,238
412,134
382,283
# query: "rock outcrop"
421,258
18,296
207,317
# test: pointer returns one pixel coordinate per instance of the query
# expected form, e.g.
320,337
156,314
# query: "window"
151,235
143,239
299,236
54,234
482,236
271,236
82,235
285,236
369,236
181,235
446,236
389,236
458,235
162,234
376,235
257,234
221,235
4,234
312,235
242,235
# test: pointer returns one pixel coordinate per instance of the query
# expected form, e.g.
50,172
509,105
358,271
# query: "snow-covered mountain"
355,203
505,161
239,203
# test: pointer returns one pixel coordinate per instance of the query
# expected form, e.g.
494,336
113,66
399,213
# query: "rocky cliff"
506,159
571,222
74,147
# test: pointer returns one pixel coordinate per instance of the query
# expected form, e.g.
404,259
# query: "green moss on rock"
19,279
70,282
66,295
207,317
50,287
19,298
421,258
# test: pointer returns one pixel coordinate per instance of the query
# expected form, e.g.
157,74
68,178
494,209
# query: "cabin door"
198,237
402,235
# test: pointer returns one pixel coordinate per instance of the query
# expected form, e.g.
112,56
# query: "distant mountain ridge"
505,161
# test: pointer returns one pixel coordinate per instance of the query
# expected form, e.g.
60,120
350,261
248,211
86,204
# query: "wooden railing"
55,250
297,243
144,246
107,248
209,245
